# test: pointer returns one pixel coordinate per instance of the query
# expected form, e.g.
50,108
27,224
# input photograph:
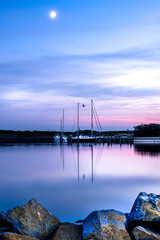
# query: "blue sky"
107,51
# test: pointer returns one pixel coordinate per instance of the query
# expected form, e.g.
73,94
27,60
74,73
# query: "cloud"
122,84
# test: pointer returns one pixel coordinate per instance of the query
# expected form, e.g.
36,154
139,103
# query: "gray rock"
14,236
140,233
33,220
105,224
145,212
69,231
5,225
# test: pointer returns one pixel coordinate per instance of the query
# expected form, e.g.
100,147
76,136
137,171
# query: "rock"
105,224
14,236
33,220
140,233
3,220
145,212
69,231
5,225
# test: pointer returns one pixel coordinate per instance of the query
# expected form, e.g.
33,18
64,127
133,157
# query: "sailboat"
86,138
61,138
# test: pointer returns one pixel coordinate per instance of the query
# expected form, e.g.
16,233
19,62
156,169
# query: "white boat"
64,139
56,139
83,138
60,139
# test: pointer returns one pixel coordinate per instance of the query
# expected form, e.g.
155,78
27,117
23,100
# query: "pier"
100,139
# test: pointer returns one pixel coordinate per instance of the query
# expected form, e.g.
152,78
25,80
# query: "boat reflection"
87,161
78,150
152,150
62,155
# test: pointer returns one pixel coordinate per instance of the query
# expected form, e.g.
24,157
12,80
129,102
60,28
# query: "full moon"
53,14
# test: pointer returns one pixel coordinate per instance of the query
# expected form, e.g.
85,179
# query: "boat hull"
83,139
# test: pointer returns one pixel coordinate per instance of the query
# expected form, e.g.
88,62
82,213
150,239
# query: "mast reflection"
77,159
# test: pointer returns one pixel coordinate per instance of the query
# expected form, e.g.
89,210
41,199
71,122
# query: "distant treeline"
52,133
147,130
28,133
143,130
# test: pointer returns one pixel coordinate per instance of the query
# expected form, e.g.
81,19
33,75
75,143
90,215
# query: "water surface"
72,181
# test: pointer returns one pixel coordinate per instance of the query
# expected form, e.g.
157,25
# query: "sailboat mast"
78,121
91,117
63,123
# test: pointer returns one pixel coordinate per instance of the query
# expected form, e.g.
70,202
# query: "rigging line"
99,151
98,154
98,118
96,121
74,158
98,162
95,117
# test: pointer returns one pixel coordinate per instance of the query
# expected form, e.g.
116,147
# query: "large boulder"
14,236
105,224
33,220
140,233
145,212
69,231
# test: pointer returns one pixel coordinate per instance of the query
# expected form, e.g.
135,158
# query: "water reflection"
78,149
72,181
152,150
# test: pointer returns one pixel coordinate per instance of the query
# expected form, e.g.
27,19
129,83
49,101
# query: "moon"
53,14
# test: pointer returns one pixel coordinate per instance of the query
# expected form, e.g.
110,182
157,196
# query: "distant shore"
11,136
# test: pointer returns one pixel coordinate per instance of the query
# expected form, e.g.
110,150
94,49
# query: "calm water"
71,182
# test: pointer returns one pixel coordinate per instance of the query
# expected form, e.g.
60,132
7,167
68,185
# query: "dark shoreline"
11,136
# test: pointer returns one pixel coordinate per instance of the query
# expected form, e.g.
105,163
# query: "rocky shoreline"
33,221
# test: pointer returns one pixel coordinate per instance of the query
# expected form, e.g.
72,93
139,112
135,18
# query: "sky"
106,50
